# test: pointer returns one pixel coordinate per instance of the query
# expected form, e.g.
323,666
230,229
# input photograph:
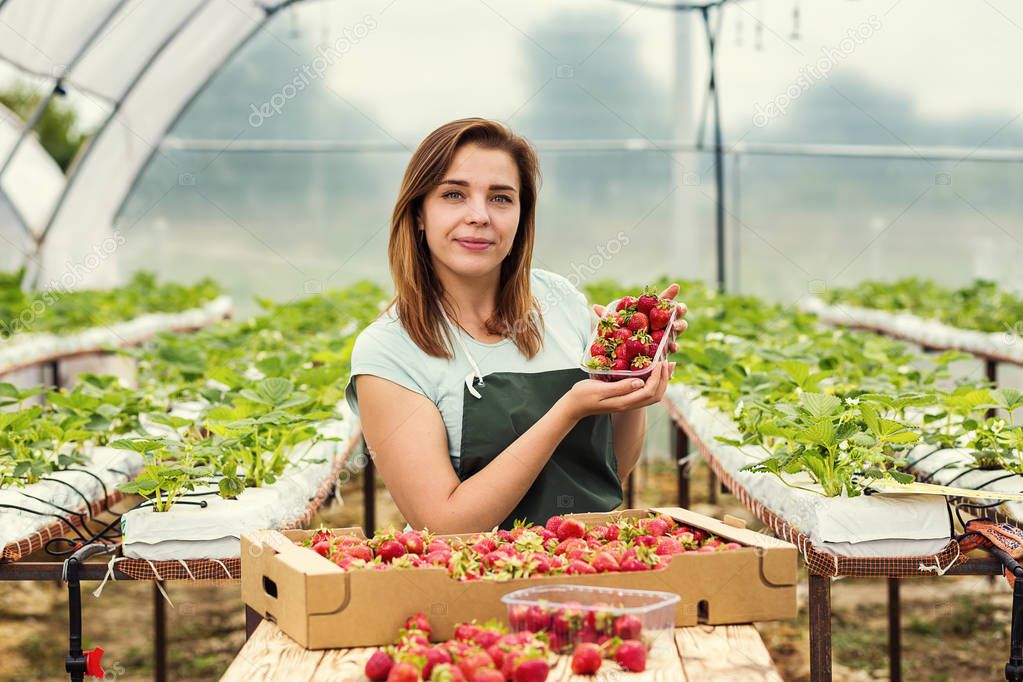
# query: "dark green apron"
582,473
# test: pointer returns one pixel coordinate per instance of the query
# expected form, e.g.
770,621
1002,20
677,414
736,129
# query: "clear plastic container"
618,375
572,614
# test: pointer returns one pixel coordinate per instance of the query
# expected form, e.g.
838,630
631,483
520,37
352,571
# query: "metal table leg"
820,628
159,635
894,631
369,494
680,448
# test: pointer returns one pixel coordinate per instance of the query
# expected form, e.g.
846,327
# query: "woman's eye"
454,192
503,197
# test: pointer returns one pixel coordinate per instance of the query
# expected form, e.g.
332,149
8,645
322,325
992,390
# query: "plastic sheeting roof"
145,60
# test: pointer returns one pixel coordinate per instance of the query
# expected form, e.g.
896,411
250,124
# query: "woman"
468,387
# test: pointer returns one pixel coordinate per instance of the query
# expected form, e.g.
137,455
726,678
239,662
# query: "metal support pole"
680,448
713,485
252,621
159,635
894,631
630,491
820,628
369,494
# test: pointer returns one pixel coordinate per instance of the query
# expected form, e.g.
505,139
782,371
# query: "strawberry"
633,347
598,349
571,528
322,547
656,336
625,302
321,535
358,552
379,665
733,545
517,615
438,557
640,362
578,567
627,627
606,327
475,662
466,632
419,622
654,525
586,659
612,533
599,362
672,347
497,653
487,637
390,550
667,545
633,564
621,352
532,670
620,365
631,655
488,675
646,301
438,545
604,562
637,322
621,335
446,672
553,523
435,656
660,314
538,619
412,541
403,671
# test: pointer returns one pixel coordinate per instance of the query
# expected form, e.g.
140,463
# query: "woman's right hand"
589,396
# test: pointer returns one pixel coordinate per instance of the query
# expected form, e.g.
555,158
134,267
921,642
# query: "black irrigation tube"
42,513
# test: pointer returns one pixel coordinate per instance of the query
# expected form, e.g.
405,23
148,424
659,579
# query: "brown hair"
418,292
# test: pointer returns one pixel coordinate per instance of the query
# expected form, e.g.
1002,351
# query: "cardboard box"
321,606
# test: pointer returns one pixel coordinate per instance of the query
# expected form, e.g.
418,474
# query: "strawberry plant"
170,470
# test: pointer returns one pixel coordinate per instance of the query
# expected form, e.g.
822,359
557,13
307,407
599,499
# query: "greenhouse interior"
278,276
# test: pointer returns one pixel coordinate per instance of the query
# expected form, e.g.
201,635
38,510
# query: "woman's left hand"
680,324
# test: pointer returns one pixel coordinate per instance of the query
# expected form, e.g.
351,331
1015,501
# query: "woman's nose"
477,215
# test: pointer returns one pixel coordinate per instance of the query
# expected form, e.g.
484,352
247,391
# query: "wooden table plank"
725,652
733,652
271,655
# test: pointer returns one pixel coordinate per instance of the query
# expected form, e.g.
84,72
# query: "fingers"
680,326
600,310
651,392
671,291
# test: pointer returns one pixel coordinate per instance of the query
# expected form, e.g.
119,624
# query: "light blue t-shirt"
384,349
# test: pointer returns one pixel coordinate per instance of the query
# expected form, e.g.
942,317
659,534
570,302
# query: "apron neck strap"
476,373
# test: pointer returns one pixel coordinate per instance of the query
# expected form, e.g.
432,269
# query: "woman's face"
471,217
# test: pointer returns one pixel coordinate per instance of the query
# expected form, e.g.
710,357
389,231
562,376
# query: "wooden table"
704,653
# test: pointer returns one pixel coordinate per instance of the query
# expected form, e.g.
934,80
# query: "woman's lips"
474,245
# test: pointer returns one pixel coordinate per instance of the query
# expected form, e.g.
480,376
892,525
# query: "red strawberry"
612,533
625,302
497,653
733,545
640,362
437,545
358,552
553,523
631,655
606,327
447,672
403,672
475,662
622,335
656,336
633,564
604,562
578,567
598,350
666,546
634,347
627,627
538,619
620,365
654,526
466,632
390,550
646,301
438,558
621,352
412,541
599,362
660,314
419,622
571,528
435,656
488,675
532,670
586,659
322,547
672,348
379,665
637,323
322,534
486,638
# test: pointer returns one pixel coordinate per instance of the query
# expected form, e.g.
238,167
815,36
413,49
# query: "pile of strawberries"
564,546
570,625
488,653
628,336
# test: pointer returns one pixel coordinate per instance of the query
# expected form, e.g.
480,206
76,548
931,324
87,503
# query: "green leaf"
822,433
797,371
274,389
820,404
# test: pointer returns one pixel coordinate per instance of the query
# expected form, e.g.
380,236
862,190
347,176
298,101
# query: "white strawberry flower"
738,410
852,401
997,425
